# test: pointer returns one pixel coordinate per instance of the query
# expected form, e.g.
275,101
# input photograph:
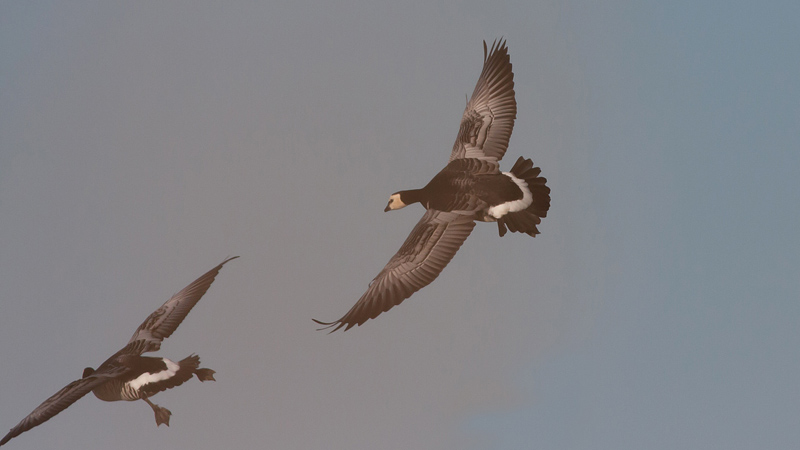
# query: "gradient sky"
142,143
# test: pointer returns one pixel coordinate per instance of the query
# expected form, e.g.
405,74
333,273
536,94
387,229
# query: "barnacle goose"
129,376
469,188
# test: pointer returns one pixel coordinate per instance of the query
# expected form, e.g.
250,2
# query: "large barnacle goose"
471,187
129,376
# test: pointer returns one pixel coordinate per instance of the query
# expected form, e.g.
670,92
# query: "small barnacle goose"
129,376
469,188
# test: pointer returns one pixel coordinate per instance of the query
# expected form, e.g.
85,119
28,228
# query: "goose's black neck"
413,196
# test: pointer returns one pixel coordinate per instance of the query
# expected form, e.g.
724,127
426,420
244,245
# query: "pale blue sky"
142,143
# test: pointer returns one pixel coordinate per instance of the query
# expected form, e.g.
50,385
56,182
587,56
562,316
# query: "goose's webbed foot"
162,414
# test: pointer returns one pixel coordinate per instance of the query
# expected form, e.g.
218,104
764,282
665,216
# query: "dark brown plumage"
127,375
469,188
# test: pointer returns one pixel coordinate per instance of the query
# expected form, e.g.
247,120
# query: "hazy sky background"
142,143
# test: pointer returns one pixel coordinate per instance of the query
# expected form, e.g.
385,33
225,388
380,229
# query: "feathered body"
470,188
148,376
127,375
477,187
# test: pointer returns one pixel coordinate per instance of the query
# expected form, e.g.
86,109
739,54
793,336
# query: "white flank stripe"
498,211
147,378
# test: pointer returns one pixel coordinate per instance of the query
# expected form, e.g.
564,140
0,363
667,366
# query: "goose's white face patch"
146,378
394,202
498,211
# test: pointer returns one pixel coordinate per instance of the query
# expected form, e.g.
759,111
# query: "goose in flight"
469,188
127,375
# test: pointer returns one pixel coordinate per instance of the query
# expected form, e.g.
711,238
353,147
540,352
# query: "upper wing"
165,320
431,245
62,399
489,116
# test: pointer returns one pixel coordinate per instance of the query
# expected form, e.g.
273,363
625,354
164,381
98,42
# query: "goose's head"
395,202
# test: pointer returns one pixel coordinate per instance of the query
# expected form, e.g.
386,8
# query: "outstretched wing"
489,116
62,399
165,320
431,245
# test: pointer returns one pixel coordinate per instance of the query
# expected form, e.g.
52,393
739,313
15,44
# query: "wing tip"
499,46
328,325
229,258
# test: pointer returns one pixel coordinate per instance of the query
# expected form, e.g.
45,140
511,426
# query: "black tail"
525,221
191,365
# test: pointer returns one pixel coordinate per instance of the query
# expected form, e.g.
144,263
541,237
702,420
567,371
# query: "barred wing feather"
431,245
165,320
490,113
62,399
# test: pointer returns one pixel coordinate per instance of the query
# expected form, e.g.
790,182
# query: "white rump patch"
147,378
498,211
